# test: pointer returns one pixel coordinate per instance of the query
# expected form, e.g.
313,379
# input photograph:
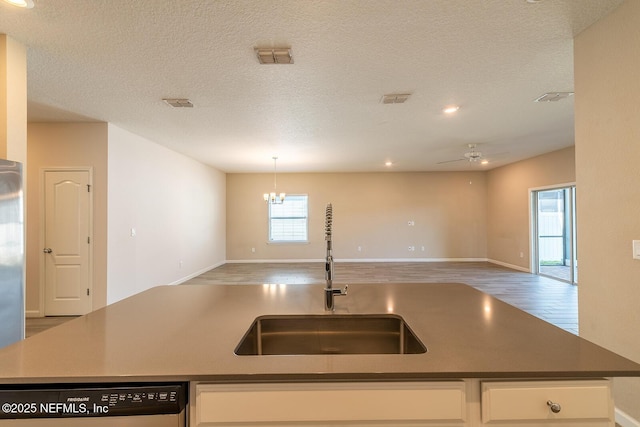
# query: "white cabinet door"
380,404
547,403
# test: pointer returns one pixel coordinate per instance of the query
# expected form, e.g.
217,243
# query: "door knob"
47,250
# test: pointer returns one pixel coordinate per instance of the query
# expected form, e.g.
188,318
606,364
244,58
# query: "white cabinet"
455,403
334,404
547,403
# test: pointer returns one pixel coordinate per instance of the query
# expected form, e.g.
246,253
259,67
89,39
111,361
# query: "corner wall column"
13,100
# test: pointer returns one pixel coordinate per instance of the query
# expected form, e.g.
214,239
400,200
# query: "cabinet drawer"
522,401
327,403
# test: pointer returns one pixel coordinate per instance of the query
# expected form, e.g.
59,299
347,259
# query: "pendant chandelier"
273,197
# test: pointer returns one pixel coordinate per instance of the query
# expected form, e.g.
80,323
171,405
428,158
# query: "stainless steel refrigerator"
11,253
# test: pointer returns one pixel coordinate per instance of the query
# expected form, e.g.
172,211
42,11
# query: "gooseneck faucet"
329,292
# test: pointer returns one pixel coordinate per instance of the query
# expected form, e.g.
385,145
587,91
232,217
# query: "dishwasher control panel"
91,401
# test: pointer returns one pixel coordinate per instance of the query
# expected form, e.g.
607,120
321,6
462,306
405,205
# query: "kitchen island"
188,333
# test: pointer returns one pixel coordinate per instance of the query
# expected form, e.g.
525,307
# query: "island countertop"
189,333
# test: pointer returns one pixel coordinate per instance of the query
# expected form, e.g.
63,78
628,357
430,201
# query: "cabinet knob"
47,250
555,407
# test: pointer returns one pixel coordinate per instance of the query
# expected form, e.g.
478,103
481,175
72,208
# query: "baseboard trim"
32,313
512,266
412,260
283,261
625,420
197,273
273,261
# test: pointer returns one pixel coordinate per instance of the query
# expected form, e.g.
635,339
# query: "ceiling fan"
472,155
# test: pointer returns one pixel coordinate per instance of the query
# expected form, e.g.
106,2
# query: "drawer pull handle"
555,407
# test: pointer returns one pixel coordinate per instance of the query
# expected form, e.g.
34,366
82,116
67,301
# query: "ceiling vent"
395,98
274,56
553,96
178,102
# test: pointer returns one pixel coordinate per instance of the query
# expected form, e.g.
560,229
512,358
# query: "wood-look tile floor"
551,300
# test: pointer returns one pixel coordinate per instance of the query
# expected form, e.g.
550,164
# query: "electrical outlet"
521,254
253,250
359,248
133,232
636,249
411,223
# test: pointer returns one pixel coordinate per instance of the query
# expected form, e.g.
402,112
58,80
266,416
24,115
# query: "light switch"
636,249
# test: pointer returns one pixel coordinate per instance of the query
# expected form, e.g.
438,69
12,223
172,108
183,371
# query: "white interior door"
67,242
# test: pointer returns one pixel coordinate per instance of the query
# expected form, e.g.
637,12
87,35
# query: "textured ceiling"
114,61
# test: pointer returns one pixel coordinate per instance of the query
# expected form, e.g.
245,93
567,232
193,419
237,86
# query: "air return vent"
553,96
395,98
178,102
274,56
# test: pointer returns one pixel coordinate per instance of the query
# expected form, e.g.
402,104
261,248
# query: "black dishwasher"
94,405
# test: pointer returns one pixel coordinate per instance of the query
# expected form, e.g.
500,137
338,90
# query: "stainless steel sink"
329,334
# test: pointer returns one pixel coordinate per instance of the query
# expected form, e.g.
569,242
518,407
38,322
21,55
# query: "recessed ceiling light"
388,163
27,4
451,109
484,162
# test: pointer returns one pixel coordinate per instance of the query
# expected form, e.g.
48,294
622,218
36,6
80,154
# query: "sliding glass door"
554,221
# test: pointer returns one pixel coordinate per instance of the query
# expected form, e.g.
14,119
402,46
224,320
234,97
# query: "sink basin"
329,334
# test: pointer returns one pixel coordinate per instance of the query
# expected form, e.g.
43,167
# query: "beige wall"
371,210
607,111
66,145
176,206
13,100
508,207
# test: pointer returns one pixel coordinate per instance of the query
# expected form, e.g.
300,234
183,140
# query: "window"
288,221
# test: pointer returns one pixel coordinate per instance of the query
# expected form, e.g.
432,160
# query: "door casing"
533,227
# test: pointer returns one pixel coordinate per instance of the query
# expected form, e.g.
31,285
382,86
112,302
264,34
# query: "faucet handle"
341,292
